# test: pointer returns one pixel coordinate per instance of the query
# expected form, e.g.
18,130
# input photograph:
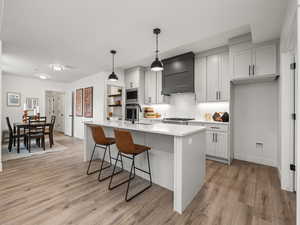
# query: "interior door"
212,78
69,113
59,111
241,62
294,124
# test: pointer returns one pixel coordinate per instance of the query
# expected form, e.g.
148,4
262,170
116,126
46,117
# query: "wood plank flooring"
53,189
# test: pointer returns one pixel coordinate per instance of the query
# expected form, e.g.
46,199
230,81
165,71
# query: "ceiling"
80,34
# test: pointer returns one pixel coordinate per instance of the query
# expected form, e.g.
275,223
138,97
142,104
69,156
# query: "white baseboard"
258,160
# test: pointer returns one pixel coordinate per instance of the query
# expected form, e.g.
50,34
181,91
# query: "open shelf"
114,105
115,95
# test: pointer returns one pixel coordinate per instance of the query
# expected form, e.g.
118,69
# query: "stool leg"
101,167
149,172
109,155
149,167
90,162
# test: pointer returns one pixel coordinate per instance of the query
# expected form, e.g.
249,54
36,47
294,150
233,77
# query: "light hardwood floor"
53,189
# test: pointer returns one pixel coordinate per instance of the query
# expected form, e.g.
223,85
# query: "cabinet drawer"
217,127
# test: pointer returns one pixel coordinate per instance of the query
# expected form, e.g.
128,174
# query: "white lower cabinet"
217,141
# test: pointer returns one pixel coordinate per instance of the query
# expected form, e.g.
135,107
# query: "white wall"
184,105
28,87
98,82
255,109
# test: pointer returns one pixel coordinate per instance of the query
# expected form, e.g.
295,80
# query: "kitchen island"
177,155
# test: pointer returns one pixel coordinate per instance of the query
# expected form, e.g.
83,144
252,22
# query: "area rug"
35,150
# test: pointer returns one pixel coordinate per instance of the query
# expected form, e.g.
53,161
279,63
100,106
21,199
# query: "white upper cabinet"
212,78
217,77
241,62
132,78
264,60
248,60
224,77
153,88
161,99
200,79
150,87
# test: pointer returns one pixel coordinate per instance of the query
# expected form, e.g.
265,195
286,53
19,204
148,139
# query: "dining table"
25,125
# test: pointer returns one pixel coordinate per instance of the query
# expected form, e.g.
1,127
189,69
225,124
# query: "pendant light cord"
156,46
113,63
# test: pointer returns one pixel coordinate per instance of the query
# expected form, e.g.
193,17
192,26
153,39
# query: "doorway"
55,106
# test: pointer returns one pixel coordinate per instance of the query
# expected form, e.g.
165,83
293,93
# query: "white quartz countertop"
206,121
159,128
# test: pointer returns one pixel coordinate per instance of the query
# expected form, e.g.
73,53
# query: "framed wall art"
13,99
88,102
79,104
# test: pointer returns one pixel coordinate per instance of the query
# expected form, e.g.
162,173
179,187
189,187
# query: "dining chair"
50,129
36,130
12,135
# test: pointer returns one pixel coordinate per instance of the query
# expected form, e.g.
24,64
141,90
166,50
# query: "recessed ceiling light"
43,76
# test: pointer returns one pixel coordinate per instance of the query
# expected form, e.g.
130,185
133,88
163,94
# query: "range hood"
178,74
255,79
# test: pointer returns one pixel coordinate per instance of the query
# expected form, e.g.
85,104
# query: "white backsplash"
184,105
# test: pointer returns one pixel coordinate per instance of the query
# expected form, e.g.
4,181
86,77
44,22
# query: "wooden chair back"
9,126
124,141
36,127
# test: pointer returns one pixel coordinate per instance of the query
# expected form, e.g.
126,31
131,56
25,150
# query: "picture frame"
79,102
13,99
32,103
88,102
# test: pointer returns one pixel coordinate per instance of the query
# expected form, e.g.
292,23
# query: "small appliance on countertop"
221,117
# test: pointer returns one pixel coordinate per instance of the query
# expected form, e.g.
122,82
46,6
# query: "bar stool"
103,142
129,150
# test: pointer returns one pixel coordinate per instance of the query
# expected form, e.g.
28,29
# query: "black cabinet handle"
249,70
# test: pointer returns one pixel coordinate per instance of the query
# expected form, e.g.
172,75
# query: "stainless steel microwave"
132,96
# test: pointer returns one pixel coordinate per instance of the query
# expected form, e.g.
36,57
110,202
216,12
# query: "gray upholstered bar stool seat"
101,142
129,150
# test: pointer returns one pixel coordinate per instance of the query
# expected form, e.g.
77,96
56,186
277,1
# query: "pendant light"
113,76
157,64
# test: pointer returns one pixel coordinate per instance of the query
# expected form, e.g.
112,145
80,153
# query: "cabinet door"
150,87
200,79
221,145
212,78
241,62
161,99
132,78
210,144
264,60
224,79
